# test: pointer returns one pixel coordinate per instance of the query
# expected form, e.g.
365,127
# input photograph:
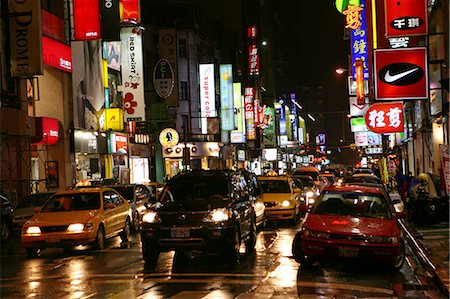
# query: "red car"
351,222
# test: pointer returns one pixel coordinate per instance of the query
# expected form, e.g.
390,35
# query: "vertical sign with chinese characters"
207,94
249,113
226,97
359,45
294,113
253,55
385,118
132,74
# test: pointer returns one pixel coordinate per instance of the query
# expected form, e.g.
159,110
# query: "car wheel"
5,230
125,235
397,264
234,248
100,240
136,222
297,252
33,252
150,254
251,240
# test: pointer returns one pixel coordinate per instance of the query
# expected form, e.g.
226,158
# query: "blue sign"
294,113
359,45
283,117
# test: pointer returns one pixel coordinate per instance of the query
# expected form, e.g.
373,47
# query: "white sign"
374,150
207,94
132,74
358,110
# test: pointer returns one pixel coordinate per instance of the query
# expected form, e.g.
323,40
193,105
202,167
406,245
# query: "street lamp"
340,71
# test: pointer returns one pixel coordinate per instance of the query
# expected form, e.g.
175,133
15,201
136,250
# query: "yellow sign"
352,16
169,137
113,119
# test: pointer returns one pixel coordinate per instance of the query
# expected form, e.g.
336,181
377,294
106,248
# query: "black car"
206,210
139,196
7,217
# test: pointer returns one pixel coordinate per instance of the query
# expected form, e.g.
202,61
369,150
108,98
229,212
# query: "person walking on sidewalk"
402,184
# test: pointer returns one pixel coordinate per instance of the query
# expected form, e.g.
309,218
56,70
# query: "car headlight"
285,203
217,215
309,194
33,230
75,228
315,234
386,240
311,201
151,217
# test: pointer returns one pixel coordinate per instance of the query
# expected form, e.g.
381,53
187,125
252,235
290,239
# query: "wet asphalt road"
119,272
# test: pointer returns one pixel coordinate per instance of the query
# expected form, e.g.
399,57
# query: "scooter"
423,210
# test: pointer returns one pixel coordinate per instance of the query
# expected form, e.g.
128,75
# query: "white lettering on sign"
108,3
394,117
377,119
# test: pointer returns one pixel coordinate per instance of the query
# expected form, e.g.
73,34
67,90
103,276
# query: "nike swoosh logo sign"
392,78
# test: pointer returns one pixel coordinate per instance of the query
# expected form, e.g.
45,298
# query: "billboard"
132,74
207,94
226,97
249,113
406,18
385,118
237,136
56,54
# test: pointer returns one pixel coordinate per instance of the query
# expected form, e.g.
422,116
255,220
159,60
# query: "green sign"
342,5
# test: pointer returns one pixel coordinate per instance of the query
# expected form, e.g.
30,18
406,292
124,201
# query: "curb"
419,251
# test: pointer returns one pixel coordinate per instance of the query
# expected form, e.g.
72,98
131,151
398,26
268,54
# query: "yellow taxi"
281,198
77,217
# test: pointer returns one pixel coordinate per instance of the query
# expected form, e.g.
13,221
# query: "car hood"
350,225
62,218
275,197
200,205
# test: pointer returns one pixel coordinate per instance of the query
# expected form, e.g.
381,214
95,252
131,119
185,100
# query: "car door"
142,197
109,212
242,204
121,211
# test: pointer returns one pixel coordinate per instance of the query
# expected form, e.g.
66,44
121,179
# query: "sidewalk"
431,245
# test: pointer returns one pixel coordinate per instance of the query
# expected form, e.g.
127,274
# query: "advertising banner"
132,74
110,21
385,118
367,139
130,10
168,50
401,74
207,94
269,136
113,119
25,38
86,20
406,17
113,58
249,117
358,124
359,43
237,136
226,97
88,91
56,54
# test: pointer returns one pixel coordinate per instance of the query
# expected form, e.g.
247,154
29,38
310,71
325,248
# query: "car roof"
273,178
353,188
306,168
87,189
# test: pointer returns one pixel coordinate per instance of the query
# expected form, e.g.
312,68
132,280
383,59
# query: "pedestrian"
402,184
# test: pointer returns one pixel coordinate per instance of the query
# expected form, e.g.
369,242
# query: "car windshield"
275,186
125,191
307,182
314,175
192,190
352,204
33,200
363,179
72,202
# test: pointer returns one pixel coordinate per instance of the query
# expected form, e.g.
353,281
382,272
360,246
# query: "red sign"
56,54
46,131
130,10
86,18
52,25
253,59
406,17
360,97
385,118
401,74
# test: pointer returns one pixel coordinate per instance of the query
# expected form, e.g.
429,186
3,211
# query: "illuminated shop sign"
237,136
406,18
226,97
113,119
401,74
130,10
253,55
90,142
56,54
358,125
385,118
118,142
207,94
169,137
359,45
46,131
249,113
367,139
86,18
132,74
353,16
52,26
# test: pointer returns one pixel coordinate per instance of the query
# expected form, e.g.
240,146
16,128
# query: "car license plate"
52,239
348,252
179,232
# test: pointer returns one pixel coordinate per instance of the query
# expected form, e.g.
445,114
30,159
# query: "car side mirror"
36,210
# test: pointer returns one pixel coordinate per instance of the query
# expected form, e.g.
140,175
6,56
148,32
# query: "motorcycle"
426,211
